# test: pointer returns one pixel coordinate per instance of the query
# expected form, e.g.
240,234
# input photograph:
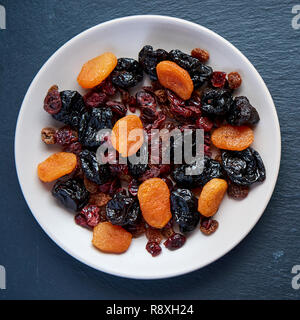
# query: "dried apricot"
111,239
127,135
175,78
235,138
211,196
154,198
56,166
96,70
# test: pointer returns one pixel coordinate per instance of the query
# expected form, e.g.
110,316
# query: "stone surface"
258,268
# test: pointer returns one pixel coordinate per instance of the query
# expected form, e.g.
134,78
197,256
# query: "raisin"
153,248
90,186
118,109
149,58
94,99
243,167
99,199
98,173
204,123
72,108
122,210
52,102
48,135
175,241
234,80
153,235
167,231
216,101
200,54
242,112
208,226
218,79
74,147
71,193
237,192
161,96
127,73
65,136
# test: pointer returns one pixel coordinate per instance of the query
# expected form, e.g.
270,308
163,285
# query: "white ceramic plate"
125,37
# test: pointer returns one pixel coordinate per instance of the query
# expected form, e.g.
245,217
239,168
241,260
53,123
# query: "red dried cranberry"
153,248
174,242
204,123
65,136
74,147
152,172
145,99
194,101
117,108
218,79
107,87
110,187
132,105
133,187
208,226
52,102
81,220
174,99
94,99
91,214
196,112
179,112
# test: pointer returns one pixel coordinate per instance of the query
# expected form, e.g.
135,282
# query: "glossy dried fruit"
118,108
154,235
200,54
48,135
99,199
218,79
242,112
71,193
95,172
110,238
65,136
153,248
122,210
208,226
204,123
244,167
74,147
90,214
137,170
184,209
154,199
175,241
175,78
234,80
94,99
96,70
57,166
128,73
237,192
52,102
127,135
90,186
235,138
216,101
211,197
136,229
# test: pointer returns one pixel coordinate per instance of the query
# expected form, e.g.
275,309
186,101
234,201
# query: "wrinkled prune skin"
91,122
184,209
98,173
199,72
243,167
72,108
149,58
242,113
128,73
137,170
122,210
212,169
71,193
216,101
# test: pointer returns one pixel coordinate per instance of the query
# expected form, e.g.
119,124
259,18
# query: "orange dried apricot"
175,78
211,196
233,138
154,199
56,166
96,70
127,135
110,238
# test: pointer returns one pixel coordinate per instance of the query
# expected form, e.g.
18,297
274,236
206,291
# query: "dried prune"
137,170
149,58
71,193
72,108
91,122
123,210
244,167
199,72
242,112
52,102
175,241
95,172
216,101
184,209
127,73
211,169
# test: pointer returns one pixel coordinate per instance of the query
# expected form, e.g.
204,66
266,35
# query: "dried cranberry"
133,187
94,99
74,147
107,87
218,79
180,112
119,169
110,187
174,99
52,102
154,235
81,220
153,248
65,136
174,242
117,108
152,172
145,99
204,123
91,214
208,226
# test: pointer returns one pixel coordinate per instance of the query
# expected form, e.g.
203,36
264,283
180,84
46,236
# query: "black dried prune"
149,58
244,167
98,173
199,72
123,210
242,113
184,209
211,169
91,122
71,193
216,101
127,73
72,108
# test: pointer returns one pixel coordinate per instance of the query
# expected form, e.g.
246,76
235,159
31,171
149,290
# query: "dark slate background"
258,268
